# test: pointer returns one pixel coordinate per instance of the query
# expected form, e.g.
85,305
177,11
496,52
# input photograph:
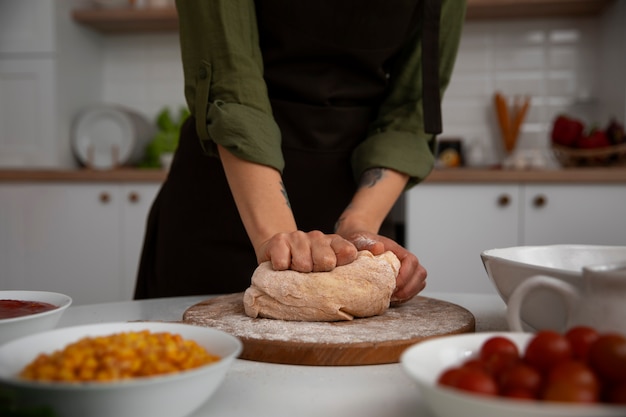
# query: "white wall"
143,71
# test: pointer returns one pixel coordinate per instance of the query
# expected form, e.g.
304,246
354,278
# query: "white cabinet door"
448,226
27,26
65,238
83,240
27,112
593,214
136,201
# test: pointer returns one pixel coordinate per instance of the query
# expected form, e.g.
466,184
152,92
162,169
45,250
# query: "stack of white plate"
109,136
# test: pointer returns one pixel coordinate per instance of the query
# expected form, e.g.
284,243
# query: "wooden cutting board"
364,341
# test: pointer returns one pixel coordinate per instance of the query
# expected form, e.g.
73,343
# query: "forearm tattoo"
283,190
371,177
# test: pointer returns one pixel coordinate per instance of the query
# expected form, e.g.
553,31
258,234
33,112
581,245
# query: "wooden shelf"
133,20
128,20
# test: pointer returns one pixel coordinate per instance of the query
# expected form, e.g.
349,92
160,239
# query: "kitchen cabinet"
128,20
26,80
80,239
449,225
40,89
28,88
26,26
590,214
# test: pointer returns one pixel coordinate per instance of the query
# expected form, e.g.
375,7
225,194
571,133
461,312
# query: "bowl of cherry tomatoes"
579,373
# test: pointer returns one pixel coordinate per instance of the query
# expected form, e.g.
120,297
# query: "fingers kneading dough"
362,288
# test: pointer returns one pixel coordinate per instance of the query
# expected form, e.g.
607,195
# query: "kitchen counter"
456,175
263,389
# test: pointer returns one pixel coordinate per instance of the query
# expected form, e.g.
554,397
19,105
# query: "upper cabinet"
27,27
128,20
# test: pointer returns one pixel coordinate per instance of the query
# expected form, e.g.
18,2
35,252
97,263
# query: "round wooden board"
364,341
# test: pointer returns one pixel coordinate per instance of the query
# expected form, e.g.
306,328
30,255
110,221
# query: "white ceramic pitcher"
600,302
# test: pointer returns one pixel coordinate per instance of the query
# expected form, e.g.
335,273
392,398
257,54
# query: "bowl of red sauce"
27,312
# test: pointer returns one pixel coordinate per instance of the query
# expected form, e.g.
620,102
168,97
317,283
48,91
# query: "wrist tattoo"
370,177
283,190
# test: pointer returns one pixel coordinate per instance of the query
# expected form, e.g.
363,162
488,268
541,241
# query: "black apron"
325,65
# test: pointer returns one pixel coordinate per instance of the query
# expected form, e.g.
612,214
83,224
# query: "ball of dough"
362,288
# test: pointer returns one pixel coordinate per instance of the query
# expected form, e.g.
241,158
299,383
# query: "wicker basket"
607,156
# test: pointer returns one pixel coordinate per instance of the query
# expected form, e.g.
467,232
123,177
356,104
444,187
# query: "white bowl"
170,395
425,361
16,327
544,309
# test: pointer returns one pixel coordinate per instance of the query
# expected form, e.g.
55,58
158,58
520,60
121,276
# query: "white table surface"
272,390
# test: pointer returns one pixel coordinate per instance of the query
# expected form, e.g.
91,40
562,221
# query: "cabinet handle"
105,197
133,197
504,200
540,201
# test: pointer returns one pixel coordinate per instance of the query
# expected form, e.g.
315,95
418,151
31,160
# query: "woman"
308,121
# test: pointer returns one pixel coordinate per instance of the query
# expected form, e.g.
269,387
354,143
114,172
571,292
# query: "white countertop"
272,390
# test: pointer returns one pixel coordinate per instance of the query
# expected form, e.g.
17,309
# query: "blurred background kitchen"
74,72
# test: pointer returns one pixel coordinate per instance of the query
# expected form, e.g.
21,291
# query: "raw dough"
362,288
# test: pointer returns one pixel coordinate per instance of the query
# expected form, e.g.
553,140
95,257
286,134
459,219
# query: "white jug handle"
514,305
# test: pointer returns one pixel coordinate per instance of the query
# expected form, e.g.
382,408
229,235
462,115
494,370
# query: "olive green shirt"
225,90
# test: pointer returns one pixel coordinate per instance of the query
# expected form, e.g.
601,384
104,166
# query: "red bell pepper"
567,131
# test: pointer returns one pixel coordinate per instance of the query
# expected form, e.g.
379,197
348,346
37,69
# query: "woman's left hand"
411,278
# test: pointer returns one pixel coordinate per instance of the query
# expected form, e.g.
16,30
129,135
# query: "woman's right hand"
306,251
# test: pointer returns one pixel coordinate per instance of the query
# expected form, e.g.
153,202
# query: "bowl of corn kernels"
117,369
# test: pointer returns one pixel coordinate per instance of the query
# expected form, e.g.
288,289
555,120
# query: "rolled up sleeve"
397,139
224,86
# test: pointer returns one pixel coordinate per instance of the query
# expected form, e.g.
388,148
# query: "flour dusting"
421,317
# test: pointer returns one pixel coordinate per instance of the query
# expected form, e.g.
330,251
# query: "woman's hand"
306,251
412,276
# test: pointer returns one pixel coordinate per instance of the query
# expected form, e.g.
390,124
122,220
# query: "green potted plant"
160,150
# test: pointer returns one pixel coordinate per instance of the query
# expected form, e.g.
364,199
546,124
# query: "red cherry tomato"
546,349
569,391
477,381
450,376
500,362
521,378
498,353
498,345
519,394
581,338
607,356
469,379
575,372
